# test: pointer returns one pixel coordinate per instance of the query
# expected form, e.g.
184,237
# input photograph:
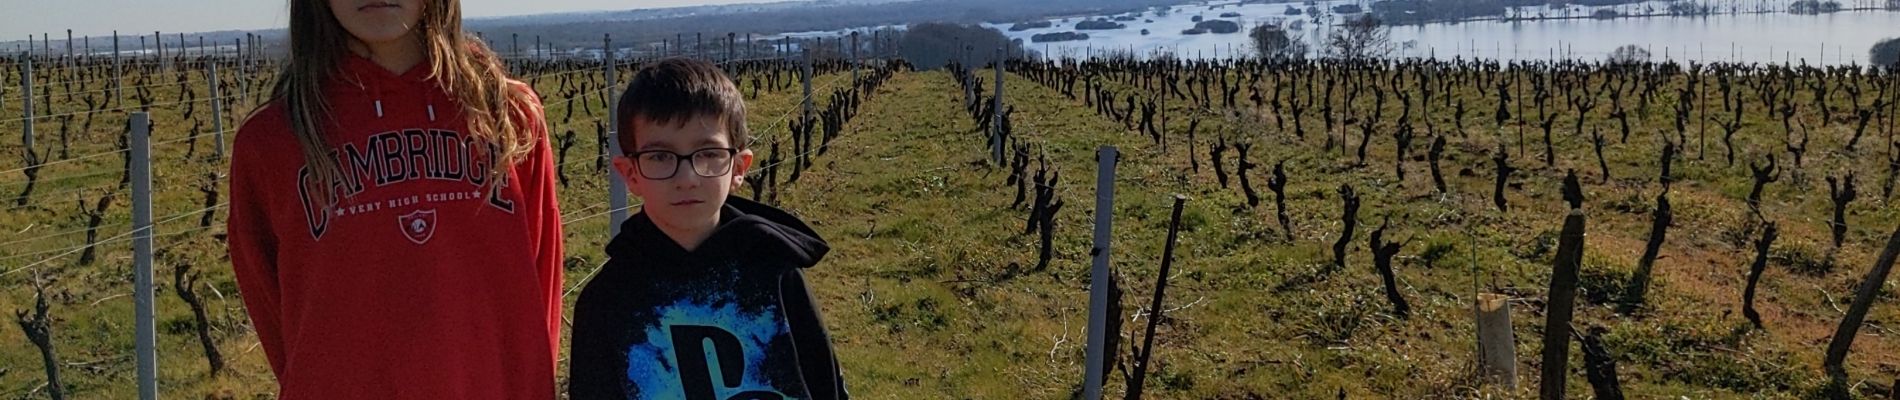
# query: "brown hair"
462,66
674,90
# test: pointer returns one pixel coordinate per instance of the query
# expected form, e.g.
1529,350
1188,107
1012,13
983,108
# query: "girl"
393,223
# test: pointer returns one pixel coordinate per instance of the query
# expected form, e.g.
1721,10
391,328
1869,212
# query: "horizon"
99,18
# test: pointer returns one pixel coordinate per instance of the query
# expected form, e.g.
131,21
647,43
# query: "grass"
930,290
1699,280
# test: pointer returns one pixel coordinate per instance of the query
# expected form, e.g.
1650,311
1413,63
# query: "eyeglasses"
664,164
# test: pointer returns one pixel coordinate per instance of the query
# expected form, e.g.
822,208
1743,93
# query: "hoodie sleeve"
252,243
816,361
543,216
595,368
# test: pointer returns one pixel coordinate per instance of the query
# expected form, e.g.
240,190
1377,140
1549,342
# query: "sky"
19,18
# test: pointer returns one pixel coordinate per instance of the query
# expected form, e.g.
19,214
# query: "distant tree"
1023,26
1058,37
1271,41
1218,26
1629,54
1688,8
1413,12
1885,52
1098,24
1893,4
1814,7
932,45
1360,37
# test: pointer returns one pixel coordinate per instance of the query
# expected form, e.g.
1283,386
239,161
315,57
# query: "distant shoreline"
1628,16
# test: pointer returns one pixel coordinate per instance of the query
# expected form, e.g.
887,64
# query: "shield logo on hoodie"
418,226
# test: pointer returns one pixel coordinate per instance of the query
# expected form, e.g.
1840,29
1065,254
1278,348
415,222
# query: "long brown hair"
461,65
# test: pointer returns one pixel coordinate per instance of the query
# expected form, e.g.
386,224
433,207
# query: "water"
1828,39
1839,38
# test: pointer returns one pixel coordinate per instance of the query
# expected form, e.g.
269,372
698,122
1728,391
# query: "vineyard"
1281,229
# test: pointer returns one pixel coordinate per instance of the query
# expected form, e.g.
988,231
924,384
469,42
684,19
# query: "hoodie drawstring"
377,84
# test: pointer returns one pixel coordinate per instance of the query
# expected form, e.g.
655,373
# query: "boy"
702,296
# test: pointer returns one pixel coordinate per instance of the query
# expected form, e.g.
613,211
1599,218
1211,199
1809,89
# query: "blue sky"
19,18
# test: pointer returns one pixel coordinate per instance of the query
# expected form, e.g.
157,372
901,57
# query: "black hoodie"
732,319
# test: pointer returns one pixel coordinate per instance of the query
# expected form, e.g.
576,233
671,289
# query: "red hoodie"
420,284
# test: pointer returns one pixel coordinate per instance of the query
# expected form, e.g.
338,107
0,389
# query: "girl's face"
375,22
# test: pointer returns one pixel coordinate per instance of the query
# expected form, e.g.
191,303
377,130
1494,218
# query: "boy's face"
687,200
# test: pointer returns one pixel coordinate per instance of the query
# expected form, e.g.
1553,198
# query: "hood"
747,229
366,83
